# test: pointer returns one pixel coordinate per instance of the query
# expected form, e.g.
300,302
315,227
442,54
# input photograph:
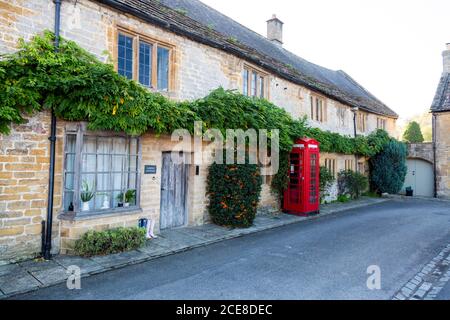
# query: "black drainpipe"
434,131
51,180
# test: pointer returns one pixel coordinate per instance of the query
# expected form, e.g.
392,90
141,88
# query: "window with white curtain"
101,173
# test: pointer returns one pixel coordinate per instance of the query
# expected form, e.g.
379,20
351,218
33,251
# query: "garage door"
420,177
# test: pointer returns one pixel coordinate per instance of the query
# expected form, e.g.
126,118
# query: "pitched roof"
441,100
196,20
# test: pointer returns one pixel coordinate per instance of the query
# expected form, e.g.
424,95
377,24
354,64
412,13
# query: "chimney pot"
275,30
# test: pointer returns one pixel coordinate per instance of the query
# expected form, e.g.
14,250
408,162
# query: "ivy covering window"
147,62
101,173
253,83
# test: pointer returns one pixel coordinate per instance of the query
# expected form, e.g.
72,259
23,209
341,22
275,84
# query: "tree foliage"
413,133
388,168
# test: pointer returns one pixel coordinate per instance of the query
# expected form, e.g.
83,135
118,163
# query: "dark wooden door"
174,176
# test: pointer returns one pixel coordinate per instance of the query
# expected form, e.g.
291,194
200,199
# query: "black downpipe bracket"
51,180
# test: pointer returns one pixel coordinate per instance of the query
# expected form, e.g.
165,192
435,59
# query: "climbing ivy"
77,86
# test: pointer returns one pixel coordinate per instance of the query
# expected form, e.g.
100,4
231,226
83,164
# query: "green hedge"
94,243
233,192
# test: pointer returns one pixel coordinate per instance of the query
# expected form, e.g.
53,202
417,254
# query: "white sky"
392,47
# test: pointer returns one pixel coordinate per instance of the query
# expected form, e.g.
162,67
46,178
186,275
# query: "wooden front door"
174,182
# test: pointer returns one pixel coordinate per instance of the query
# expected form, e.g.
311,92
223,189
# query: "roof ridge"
258,34
345,74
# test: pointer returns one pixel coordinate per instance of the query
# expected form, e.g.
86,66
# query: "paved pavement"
324,258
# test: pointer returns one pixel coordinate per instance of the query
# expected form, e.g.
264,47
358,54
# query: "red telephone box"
302,194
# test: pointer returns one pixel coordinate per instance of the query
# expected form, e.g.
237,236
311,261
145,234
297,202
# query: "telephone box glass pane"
313,180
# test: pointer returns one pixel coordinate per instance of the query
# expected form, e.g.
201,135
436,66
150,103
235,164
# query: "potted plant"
129,197
87,193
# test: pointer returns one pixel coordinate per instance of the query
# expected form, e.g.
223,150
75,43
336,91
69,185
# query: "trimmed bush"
95,243
388,168
352,183
233,192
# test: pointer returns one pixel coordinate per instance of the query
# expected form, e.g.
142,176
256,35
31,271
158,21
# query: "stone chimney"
446,58
275,30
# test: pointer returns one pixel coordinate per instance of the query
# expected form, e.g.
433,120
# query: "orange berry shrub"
233,192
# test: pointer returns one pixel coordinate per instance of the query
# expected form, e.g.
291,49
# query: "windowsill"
73,216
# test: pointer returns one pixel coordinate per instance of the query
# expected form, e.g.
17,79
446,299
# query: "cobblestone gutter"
427,284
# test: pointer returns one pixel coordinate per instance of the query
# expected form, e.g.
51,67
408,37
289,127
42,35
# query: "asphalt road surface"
325,258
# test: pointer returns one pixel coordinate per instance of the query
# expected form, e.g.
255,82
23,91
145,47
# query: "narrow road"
325,258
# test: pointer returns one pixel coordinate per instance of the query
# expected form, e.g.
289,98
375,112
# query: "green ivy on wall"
79,87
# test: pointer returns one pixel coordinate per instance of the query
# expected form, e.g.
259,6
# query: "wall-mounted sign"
150,169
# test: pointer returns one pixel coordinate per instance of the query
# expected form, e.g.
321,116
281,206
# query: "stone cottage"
441,129
183,49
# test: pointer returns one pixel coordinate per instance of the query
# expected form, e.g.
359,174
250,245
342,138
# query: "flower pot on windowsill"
126,204
87,194
85,206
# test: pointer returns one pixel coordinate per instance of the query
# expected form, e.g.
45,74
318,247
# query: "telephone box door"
302,194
